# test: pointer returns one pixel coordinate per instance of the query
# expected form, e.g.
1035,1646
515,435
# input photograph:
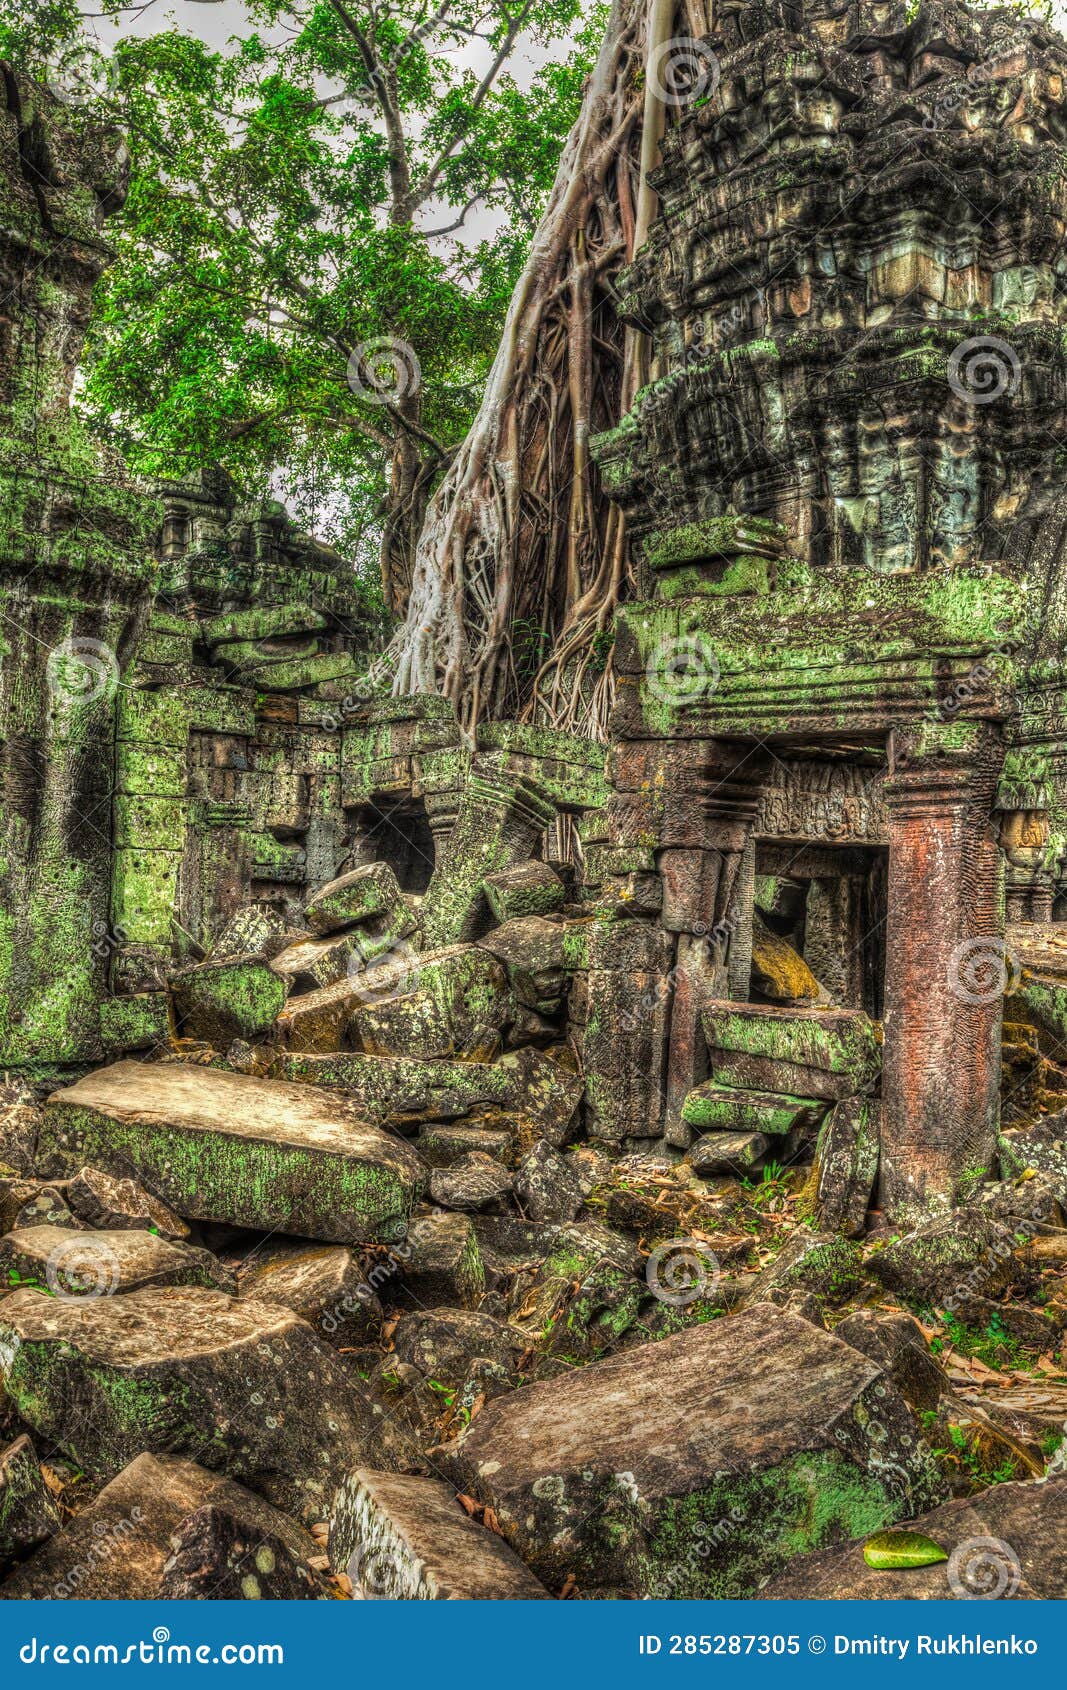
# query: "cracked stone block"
442,1343
94,1264
234,998
361,895
136,1542
311,964
716,1108
226,1147
615,1471
100,1200
1007,1543
20,1120
327,1286
241,1386
826,1054
846,1165
532,888
28,1513
408,1538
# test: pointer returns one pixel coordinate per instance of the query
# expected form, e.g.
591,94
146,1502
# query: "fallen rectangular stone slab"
122,1545
228,1147
1007,1544
408,1539
826,1054
28,1513
237,1385
717,1108
406,1090
98,1264
727,1153
695,1467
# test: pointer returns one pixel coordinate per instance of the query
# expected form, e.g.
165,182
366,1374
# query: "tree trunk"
521,562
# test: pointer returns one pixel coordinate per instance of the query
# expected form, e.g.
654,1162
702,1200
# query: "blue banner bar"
520,1644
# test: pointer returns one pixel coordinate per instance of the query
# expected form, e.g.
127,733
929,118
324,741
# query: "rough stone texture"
100,1200
133,1542
475,1184
949,1257
529,889
366,892
30,1202
547,1189
20,1121
728,1153
223,1147
820,1054
828,1266
846,1166
327,1287
725,1109
1006,1543
408,1538
28,1514
896,1343
442,1262
454,1004
612,1472
233,998
237,1385
94,1264
442,1343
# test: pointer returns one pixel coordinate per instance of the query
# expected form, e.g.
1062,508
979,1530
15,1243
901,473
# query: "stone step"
125,1543
408,1539
717,1108
235,1384
755,1437
822,1053
228,1147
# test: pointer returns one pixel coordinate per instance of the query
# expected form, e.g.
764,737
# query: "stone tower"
844,684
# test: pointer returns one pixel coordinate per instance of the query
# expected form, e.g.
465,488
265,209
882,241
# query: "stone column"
501,817
696,800
945,965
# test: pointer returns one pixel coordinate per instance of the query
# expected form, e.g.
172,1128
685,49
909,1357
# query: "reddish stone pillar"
945,963
695,801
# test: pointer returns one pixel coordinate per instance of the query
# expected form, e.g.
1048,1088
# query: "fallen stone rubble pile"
337,1296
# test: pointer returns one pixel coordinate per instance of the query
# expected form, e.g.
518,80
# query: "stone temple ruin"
245,898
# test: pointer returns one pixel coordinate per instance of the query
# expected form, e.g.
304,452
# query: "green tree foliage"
287,197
